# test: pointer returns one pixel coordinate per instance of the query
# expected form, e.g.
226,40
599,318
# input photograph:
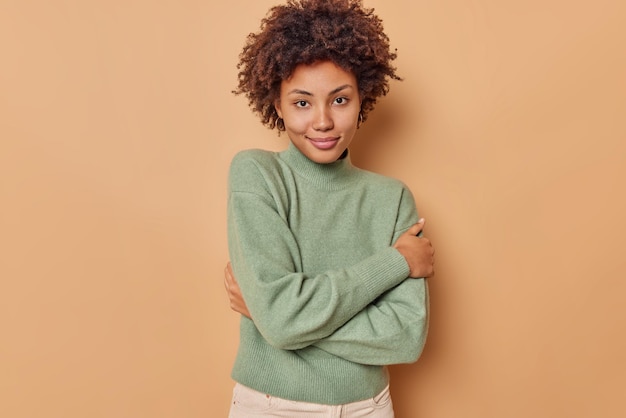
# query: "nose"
323,120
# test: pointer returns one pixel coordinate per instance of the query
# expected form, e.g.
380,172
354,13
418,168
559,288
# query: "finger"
416,228
228,280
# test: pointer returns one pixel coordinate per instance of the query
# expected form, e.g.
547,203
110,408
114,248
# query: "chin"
325,157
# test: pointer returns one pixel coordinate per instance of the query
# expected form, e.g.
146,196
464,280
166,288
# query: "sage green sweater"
330,298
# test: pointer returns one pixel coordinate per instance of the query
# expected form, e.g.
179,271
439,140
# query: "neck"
333,175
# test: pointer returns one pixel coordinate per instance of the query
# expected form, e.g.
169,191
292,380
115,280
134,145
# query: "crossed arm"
417,250
390,330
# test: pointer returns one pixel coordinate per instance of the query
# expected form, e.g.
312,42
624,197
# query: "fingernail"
421,220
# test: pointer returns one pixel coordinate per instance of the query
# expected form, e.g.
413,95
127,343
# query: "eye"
341,100
301,103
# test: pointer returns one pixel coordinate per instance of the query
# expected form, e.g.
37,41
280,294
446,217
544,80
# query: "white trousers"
248,403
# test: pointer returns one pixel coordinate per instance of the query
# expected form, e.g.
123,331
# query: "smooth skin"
320,106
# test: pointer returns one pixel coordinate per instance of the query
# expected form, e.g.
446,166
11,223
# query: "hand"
418,251
233,291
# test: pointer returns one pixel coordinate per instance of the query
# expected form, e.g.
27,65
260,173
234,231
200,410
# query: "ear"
278,109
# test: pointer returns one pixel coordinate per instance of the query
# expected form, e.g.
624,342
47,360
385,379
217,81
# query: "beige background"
117,125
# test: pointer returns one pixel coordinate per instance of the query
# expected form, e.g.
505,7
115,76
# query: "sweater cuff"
383,270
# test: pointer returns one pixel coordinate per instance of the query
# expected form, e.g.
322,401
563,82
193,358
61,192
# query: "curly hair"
307,31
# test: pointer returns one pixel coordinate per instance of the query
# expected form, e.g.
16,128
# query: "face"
320,107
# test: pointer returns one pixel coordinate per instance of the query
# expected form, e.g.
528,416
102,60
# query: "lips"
324,143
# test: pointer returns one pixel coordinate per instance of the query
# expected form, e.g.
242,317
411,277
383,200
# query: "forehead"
320,76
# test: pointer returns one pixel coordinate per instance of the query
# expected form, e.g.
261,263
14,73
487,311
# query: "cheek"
350,121
296,123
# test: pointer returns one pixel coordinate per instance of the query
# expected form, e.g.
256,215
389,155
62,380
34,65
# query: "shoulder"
382,182
249,158
392,191
251,168
253,160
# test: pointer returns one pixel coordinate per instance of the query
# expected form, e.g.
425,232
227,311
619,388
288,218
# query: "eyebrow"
306,93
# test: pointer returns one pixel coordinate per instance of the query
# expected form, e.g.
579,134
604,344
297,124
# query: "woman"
328,263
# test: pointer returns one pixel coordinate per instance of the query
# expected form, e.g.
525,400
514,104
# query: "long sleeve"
393,328
292,309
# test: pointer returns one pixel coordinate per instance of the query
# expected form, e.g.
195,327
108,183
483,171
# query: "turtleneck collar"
331,176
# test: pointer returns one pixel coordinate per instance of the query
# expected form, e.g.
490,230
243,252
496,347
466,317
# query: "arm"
393,328
293,310
390,330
